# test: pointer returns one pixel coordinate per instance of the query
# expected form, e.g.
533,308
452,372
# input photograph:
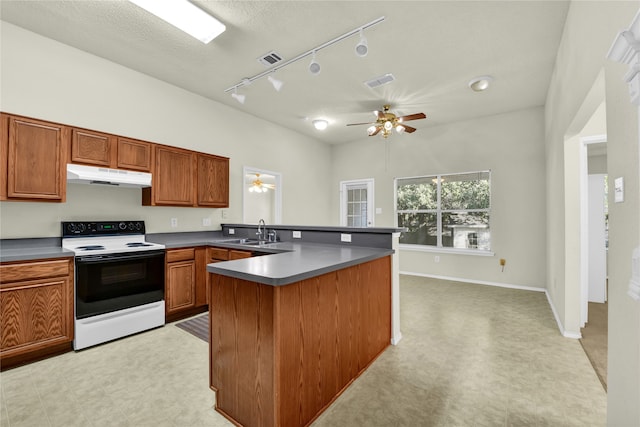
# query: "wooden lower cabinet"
36,308
185,282
279,355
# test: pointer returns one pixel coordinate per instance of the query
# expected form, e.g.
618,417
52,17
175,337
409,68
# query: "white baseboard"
395,340
564,333
478,282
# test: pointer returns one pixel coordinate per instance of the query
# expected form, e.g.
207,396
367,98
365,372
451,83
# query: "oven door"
111,282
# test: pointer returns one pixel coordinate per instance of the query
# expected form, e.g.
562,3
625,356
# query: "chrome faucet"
262,230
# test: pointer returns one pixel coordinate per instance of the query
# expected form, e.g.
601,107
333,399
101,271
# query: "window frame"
438,211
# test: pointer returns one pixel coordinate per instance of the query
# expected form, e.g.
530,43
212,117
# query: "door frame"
278,191
369,183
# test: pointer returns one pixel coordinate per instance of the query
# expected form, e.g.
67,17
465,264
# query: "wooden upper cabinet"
36,160
134,155
173,182
93,148
213,181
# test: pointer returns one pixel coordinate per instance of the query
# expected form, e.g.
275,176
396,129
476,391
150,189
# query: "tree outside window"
445,211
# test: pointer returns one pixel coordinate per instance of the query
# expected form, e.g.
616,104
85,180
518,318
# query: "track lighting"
362,48
320,124
277,84
239,97
314,67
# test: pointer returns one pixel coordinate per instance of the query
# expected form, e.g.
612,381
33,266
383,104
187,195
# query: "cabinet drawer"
34,270
181,255
233,254
218,254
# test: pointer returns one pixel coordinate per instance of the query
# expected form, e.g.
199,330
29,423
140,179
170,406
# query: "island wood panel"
242,350
325,331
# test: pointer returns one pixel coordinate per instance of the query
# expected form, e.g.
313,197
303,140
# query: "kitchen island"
290,331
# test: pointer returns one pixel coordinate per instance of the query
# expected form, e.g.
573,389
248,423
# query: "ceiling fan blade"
379,114
378,129
358,124
408,129
412,117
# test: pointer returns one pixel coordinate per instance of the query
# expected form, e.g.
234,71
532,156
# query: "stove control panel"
101,228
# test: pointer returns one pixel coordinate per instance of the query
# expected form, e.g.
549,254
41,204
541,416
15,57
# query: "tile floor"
471,355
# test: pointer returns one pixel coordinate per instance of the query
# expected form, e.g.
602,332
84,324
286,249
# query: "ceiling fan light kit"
387,121
480,84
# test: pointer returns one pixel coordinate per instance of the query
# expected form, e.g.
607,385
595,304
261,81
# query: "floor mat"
198,326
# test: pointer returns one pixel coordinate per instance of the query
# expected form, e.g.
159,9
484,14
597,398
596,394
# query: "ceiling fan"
257,186
387,121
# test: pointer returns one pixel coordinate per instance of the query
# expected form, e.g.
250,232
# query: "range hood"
80,174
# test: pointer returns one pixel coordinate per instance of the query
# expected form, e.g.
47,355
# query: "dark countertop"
32,249
296,261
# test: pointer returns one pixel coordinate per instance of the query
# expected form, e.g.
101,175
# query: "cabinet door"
134,155
213,181
35,315
173,178
92,148
180,288
36,166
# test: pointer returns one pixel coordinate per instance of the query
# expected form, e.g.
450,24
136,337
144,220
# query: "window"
445,211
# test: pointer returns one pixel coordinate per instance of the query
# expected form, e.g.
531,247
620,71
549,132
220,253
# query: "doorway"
261,196
356,203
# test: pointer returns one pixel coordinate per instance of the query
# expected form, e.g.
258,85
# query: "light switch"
618,190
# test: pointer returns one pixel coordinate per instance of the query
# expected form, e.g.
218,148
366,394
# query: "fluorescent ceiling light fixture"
277,84
320,124
481,83
185,16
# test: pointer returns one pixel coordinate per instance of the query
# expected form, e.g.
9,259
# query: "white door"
597,239
356,205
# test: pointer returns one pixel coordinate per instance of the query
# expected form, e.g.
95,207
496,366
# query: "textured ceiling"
432,48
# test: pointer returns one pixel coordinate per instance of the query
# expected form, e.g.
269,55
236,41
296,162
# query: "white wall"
44,79
589,32
511,145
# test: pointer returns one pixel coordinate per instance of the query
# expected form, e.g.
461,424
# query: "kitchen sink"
250,242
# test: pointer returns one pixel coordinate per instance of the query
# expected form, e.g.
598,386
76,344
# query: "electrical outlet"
297,235
378,211
174,222
232,231
223,213
345,237
206,222
436,258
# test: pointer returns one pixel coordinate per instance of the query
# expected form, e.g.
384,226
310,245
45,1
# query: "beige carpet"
594,339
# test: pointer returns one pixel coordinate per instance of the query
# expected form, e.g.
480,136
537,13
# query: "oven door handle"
116,257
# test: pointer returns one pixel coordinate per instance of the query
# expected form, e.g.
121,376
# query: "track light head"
277,84
314,67
362,48
237,96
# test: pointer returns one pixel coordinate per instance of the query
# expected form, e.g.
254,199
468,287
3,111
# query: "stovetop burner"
90,248
137,244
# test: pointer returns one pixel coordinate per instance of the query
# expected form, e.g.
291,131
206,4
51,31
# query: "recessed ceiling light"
481,83
320,124
185,16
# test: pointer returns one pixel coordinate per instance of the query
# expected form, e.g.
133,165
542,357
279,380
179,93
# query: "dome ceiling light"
481,83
